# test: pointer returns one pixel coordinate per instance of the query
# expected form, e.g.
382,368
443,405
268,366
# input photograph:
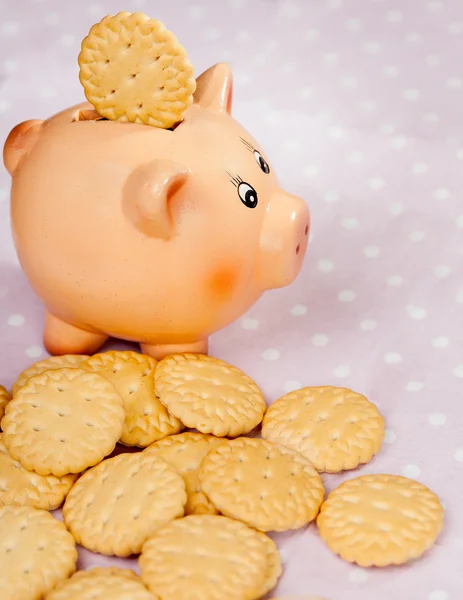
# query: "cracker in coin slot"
88,115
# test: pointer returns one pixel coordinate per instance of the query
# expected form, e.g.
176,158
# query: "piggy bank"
155,236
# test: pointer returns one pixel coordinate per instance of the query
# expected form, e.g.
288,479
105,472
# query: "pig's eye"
261,162
247,194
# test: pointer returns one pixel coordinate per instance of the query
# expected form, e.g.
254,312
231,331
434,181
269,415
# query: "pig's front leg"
162,350
61,338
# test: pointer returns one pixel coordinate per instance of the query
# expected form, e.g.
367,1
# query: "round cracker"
48,364
5,397
209,395
267,487
274,568
114,507
132,374
133,69
185,452
216,556
336,429
19,486
63,421
380,520
102,582
36,553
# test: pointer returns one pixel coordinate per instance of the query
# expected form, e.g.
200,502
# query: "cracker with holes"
133,69
266,486
19,486
63,421
185,452
36,553
114,507
5,397
102,582
209,395
210,554
132,374
48,364
380,520
335,428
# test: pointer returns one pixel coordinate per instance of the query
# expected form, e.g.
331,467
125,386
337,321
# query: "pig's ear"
214,88
19,143
147,197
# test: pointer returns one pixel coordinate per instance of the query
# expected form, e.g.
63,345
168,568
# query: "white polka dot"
414,386
288,67
459,296
391,71
376,183
325,265
434,5
441,194
306,91
413,37
432,60
411,95
242,78
95,9
270,354
3,291
9,28
250,324
438,595
341,371
398,142
417,313
395,209
430,118
298,310
394,280
437,419
350,223
34,351
211,34
357,575
243,36
16,320
290,9
331,196
353,24
4,105
356,157
334,3
411,471
196,12
368,105
455,28
292,145
459,153
10,65
330,58
52,19
458,371
372,47
392,358
419,168
311,170
348,82
394,16
442,271
47,91
459,222
3,194
311,35
440,342
346,296
291,385
454,83
389,436
386,129
320,340
67,40
368,324
458,455
337,132
284,555
372,251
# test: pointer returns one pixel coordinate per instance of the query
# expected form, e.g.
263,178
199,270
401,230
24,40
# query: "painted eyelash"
235,179
247,144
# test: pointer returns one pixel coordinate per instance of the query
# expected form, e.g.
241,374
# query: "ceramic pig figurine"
156,236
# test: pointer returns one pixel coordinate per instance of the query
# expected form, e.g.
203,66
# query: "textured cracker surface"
36,553
50,363
185,452
5,397
63,421
274,568
19,486
209,395
115,506
268,487
108,583
133,69
204,557
380,520
335,428
132,374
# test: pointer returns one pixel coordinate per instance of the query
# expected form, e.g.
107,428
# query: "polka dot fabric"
358,106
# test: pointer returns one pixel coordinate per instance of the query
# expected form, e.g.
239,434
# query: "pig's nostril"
298,248
306,230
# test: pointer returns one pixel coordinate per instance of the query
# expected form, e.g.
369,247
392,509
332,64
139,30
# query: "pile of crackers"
195,506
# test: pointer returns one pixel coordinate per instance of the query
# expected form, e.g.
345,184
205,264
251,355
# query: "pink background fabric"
358,105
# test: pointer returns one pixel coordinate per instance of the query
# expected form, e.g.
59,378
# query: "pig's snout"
283,241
